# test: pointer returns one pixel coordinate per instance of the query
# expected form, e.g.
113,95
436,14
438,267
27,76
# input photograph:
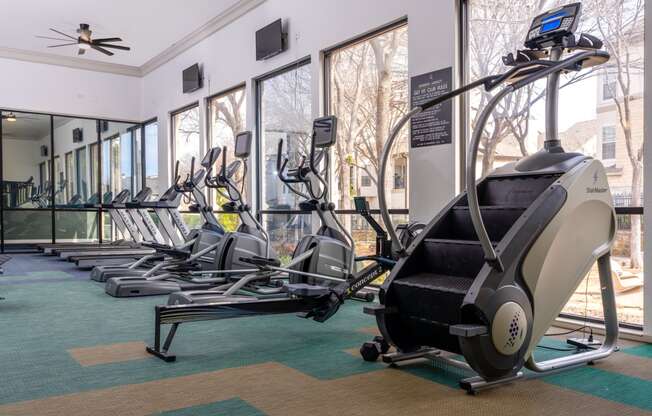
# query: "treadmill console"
548,29
243,145
324,131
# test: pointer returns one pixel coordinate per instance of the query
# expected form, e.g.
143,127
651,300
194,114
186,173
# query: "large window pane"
368,92
227,118
26,227
25,138
186,139
76,226
72,176
151,159
26,187
117,156
285,113
138,160
285,231
600,114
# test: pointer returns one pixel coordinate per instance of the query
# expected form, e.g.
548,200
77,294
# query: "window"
95,167
586,101
126,161
367,89
151,158
608,142
118,159
284,103
59,182
185,138
227,117
68,182
367,78
400,172
608,87
80,173
137,154
42,174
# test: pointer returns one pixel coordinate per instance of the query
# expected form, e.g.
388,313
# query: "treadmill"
93,202
171,226
125,216
192,186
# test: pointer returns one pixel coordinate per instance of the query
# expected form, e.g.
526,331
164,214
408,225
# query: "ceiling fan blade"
100,49
61,33
51,38
107,40
81,51
63,44
124,48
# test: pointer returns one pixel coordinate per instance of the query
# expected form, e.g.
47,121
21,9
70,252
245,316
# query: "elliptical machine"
492,271
227,251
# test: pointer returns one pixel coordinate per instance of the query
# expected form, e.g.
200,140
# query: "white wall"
24,159
228,59
61,90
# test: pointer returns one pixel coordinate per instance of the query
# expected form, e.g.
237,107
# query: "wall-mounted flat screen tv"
192,79
269,40
77,135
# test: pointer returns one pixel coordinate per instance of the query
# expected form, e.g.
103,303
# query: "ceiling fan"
84,41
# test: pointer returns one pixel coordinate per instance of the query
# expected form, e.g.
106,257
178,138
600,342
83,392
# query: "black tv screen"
77,135
269,40
191,79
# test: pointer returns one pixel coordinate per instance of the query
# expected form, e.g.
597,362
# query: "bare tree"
620,24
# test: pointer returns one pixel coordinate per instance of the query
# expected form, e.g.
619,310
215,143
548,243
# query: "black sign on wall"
434,126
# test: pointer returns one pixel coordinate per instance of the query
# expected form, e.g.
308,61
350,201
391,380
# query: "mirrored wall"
57,170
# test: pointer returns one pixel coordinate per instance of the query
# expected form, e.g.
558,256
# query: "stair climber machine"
493,270
224,251
318,279
195,241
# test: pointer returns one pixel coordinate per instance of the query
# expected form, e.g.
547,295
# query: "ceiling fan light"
11,117
83,45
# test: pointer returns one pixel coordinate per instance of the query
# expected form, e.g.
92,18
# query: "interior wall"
25,157
228,59
55,89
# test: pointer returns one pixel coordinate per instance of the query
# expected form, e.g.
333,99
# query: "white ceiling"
29,126
149,27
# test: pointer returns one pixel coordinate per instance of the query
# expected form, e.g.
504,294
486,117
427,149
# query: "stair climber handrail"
382,171
573,62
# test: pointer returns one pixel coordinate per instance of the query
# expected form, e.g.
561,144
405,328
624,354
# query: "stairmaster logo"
595,189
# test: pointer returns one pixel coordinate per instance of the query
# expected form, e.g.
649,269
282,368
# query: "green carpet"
45,314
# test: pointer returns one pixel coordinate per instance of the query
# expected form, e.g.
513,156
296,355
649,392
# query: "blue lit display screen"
552,22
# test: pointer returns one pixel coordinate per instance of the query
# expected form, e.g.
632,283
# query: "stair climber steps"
497,220
429,303
513,190
463,258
